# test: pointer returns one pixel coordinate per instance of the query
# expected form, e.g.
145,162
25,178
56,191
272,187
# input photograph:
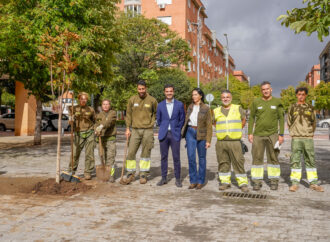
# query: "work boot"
87,176
223,187
316,187
162,182
273,186
178,183
244,188
129,179
294,188
112,179
143,179
256,186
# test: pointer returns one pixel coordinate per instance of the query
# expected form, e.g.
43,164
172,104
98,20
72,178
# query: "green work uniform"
108,136
267,121
229,150
140,117
83,118
302,124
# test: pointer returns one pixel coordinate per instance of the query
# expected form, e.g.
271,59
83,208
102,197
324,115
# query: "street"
147,212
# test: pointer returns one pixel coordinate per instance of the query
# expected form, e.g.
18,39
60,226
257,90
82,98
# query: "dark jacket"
176,121
204,122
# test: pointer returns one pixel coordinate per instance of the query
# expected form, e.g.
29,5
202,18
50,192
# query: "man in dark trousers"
170,118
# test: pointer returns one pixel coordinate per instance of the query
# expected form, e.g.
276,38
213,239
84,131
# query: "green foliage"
8,99
320,94
148,45
315,17
175,77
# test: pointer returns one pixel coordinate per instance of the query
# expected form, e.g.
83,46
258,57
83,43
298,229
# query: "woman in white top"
198,133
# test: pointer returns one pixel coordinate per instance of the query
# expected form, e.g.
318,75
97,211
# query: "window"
202,72
189,26
189,66
194,69
134,9
189,3
166,20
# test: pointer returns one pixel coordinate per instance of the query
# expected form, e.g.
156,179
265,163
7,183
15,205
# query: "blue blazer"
176,121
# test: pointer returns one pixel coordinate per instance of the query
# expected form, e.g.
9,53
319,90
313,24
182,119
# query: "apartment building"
181,16
240,75
325,63
313,77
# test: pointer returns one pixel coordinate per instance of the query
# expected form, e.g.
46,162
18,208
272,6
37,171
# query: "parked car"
52,123
324,123
7,121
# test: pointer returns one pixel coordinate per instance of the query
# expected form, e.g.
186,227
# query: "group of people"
265,132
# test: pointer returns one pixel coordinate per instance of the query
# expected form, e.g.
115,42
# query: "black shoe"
178,183
162,182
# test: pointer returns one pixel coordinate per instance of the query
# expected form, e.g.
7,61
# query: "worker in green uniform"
140,120
302,124
83,125
266,132
105,127
229,120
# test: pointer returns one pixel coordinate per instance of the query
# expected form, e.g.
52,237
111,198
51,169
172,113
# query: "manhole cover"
243,195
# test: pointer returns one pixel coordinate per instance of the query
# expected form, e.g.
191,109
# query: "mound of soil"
50,187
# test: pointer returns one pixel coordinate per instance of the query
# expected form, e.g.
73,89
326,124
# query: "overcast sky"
260,46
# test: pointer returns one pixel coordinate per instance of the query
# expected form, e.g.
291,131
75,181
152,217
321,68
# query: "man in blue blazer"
170,118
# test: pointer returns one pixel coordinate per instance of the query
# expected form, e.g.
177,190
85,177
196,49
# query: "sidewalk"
148,212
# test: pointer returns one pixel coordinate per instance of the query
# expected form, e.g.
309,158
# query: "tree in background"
322,96
313,18
173,76
22,25
148,46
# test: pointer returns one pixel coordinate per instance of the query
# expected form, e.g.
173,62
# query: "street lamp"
199,28
227,57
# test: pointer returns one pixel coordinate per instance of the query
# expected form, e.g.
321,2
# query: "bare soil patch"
40,186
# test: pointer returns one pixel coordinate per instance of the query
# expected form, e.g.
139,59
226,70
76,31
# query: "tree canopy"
315,17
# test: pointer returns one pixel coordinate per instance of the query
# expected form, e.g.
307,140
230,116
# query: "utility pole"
199,30
227,57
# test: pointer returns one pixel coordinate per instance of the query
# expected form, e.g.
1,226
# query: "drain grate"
243,195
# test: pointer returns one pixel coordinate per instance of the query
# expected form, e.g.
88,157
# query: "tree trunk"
0,101
37,129
97,99
59,130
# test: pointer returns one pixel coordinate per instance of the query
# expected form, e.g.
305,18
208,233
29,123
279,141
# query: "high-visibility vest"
230,125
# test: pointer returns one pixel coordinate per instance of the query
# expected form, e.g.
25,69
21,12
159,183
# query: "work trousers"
196,176
78,145
144,137
260,144
303,147
109,148
229,153
165,144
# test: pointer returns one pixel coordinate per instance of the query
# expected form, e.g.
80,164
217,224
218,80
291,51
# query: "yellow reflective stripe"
311,174
144,164
295,175
131,165
274,171
112,172
257,172
224,178
241,179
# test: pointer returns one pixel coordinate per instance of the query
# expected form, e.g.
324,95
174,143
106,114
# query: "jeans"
196,177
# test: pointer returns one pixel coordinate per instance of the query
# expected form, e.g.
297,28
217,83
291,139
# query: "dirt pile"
50,187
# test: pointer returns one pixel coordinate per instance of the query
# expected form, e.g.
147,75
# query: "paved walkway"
147,212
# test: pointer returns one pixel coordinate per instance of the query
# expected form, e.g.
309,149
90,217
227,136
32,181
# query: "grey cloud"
260,46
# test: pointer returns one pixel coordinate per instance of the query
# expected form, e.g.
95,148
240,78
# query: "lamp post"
227,57
199,27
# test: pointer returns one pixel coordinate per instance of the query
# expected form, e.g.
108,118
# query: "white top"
169,106
194,116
